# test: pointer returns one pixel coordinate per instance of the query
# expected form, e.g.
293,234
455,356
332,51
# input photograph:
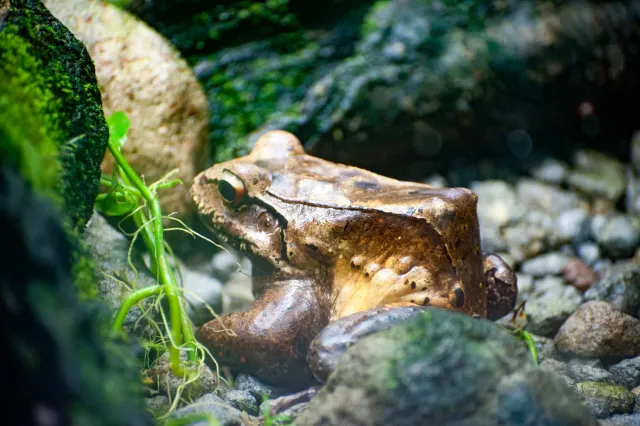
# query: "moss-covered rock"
442,368
51,106
606,399
62,361
431,83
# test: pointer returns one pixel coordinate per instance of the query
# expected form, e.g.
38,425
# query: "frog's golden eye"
231,189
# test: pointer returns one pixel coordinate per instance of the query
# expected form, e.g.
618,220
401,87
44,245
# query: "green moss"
618,398
370,23
241,100
51,74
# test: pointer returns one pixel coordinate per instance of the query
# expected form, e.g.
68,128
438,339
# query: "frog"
329,242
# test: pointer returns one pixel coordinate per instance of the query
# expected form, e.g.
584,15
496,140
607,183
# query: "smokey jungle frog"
334,244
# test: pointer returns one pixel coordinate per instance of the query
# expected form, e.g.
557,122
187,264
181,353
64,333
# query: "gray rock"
109,250
525,286
201,290
596,329
560,369
551,171
534,195
635,150
627,372
224,264
578,370
241,399
258,389
622,420
496,207
545,264
551,304
213,406
436,180
158,404
598,175
238,291
168,384
619,285
605,399
589,252
545,347
618,235
529,235
570,227
422,369
632,201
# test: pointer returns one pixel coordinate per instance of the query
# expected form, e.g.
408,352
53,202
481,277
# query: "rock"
224,264
627,372
618,235
559,368
210,404
240,399
584,372
546,264
436,180
201,290
377,383
168,384
112,274
632,201
529,236
496,206
570,227
589,252
525,286
596,329
238,290
547,312
619,285
622,420
545,347
52,127
140,73
258,389
578,274
551,171
534,195
159,404
597,175
605,399
635,151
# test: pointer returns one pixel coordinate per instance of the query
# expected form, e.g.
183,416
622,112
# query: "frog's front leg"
271,339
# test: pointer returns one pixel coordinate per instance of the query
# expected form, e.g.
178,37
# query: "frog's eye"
231,189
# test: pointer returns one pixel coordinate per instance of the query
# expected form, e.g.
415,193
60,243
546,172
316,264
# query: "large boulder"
443,368
140,73
52,126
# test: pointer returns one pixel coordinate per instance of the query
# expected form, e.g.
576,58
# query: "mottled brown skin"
328,240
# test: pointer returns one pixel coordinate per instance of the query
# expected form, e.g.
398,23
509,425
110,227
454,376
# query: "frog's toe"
502,285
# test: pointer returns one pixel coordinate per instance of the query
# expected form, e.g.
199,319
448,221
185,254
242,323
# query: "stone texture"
596,329
140,73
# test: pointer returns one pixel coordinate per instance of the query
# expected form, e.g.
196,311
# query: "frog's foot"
502,284
271,339
328,346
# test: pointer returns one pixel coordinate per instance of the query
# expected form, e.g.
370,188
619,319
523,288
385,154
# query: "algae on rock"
51,74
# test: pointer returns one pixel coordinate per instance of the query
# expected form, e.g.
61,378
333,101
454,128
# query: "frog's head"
232,199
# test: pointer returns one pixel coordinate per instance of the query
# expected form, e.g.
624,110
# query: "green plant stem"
164,271
131,300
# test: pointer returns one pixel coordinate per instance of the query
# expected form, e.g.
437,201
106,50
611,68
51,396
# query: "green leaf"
118,127
116,202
